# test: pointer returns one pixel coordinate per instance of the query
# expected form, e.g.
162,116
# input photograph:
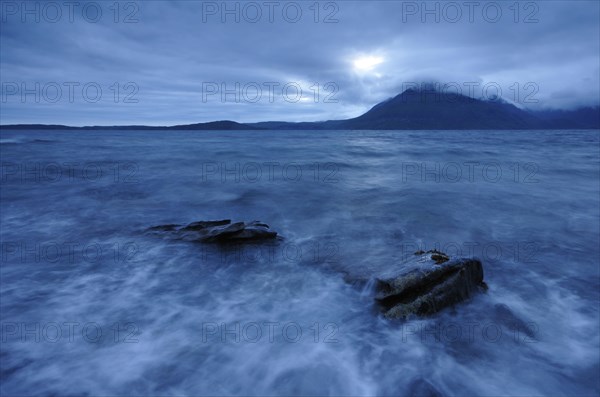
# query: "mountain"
410,110
433,110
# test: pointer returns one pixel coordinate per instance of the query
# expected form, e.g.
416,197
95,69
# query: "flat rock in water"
428,283
222,231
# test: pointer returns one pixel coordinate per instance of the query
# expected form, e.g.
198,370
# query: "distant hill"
411,110
38,127
213,125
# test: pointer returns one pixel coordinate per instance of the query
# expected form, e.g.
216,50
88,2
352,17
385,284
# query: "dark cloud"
155,69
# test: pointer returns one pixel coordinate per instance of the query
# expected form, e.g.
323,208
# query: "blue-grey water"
93,305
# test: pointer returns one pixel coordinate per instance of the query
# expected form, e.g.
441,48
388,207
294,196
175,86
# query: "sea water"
91,304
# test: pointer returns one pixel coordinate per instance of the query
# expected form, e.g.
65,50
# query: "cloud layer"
161,63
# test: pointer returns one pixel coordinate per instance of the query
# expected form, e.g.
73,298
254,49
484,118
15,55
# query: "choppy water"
90,305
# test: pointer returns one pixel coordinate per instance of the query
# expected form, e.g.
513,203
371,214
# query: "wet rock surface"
428,283
221,231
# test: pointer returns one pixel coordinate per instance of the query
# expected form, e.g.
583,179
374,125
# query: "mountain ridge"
410,110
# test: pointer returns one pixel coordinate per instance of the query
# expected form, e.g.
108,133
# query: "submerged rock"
428,283
222,231
505,316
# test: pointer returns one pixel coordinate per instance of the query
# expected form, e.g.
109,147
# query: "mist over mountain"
411,110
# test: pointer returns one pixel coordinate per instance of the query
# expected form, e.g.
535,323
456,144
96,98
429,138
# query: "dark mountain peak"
429,108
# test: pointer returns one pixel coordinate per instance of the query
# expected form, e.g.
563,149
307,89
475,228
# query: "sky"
180,62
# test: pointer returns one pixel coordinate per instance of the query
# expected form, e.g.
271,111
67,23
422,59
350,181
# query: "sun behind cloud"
367,63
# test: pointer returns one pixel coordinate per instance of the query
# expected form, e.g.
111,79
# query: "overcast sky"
163,63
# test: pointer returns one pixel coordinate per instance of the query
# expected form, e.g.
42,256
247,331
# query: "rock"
428,283
205,224
222,231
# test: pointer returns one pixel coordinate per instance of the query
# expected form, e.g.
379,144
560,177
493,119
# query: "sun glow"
366,64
